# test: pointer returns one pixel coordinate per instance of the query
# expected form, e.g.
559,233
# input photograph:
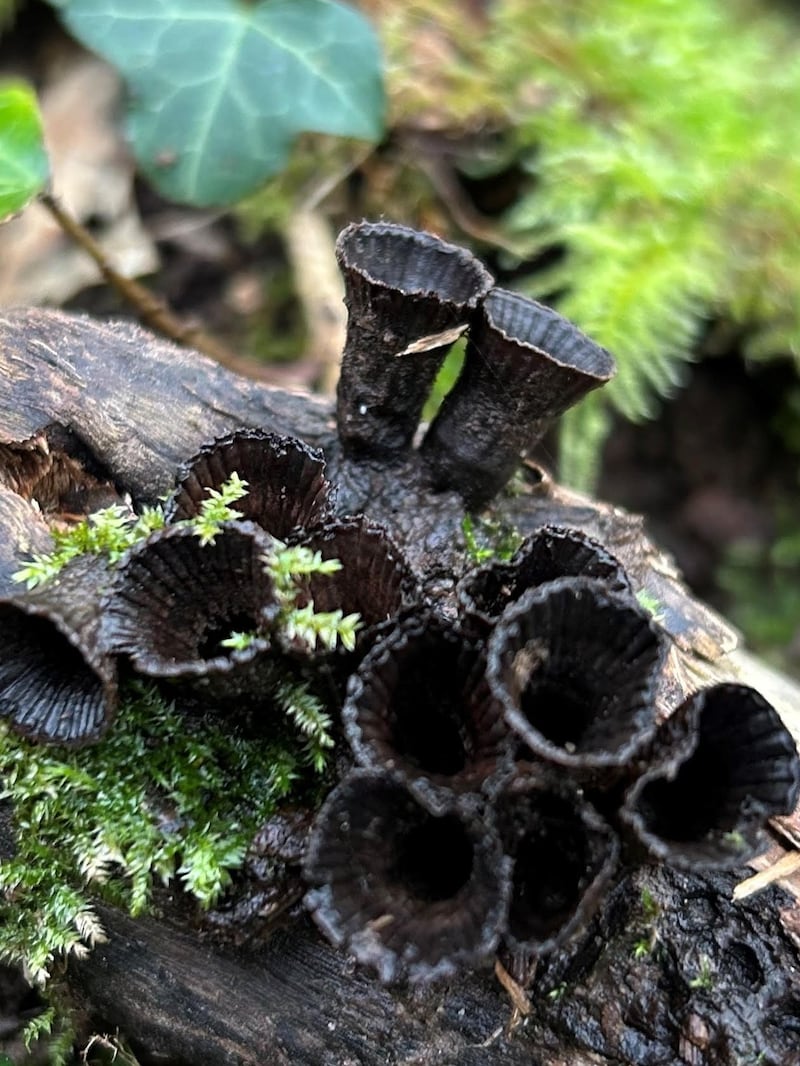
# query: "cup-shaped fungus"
57,683
174,601
525,365
564,858
286,486
409,295
576,667
374,581
546,555
727,764
410,893
419,705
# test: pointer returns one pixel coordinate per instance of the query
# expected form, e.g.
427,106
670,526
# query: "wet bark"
718,986
93,411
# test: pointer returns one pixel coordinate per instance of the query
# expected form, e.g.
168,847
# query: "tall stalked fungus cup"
576,667
565,857
57,683
419,705
412,894
546,555
727,764
409,296
174,601
525,365
287,491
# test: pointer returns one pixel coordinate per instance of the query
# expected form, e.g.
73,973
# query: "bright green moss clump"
157,800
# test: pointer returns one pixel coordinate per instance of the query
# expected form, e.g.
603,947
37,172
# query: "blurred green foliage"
218,92
663,149
763,586
8,9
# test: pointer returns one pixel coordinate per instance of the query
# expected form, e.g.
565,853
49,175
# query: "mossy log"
92,411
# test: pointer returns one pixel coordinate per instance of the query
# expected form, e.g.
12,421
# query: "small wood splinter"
782,868
517,995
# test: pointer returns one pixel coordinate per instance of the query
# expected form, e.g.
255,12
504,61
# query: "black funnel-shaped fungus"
546,555
375,580
419,705
525,365
286,486
565,857
174,600
409,893
727,765
576,668
57,684
409,295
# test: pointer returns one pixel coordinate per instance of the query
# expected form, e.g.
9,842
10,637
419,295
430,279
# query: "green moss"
162,798
704,979
486,539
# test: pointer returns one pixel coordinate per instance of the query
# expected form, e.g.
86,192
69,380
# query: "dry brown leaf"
93,178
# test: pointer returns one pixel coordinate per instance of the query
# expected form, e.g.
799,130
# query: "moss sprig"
113,530
486,539
109,532
218,508
288,566
307,713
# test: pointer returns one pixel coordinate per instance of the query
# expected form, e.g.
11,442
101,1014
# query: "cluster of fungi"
506,758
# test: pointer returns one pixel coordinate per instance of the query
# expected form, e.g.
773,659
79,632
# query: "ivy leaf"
24,166
220,88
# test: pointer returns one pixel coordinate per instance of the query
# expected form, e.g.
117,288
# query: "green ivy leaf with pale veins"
220,88
24,166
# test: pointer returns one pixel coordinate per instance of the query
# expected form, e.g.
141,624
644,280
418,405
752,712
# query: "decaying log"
87,408
717,986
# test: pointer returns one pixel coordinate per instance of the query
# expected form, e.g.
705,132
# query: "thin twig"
310,248
515,991
784,867
151,309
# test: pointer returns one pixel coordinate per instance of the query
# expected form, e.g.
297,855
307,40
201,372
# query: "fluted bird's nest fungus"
513,735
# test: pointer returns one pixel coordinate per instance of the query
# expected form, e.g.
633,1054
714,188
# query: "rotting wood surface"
87,407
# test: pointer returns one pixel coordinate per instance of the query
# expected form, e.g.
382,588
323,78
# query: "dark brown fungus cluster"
57,682
409,296
536,707
532,733
170,606
287,488
486,745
